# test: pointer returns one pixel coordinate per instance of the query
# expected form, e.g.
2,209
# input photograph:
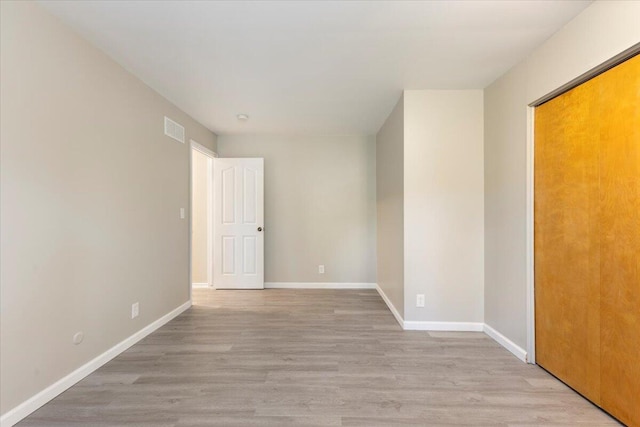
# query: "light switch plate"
135,310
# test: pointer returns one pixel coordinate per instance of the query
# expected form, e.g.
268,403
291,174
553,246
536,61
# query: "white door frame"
530,252
211,154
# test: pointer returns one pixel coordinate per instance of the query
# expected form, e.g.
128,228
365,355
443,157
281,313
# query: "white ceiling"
322,67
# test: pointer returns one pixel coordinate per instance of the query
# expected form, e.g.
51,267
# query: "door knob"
259,228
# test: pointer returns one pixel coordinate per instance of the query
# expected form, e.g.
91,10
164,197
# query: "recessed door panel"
250,196
228,198
250,254
228,250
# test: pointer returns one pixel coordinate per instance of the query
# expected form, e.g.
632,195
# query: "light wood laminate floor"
313,357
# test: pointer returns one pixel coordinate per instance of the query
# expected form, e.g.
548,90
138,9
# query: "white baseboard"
443,326
514,348
200,285
21,411
392,308
409,325
318,285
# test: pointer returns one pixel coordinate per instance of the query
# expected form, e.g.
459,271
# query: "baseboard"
392,308
200,285
410,325
21,411
318,285
514,348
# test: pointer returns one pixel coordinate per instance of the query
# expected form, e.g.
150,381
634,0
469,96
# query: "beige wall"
603,30
319,205
443,205
200,188
390,206
90,197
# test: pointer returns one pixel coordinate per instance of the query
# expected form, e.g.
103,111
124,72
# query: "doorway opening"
201,267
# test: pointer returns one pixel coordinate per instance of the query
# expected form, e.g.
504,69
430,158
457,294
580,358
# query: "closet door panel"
567,239
619,92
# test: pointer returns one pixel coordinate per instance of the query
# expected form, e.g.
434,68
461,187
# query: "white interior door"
238,215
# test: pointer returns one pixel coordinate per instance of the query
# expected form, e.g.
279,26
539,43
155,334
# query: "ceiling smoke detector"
243,117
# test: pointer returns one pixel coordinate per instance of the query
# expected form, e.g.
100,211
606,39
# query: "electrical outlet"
181,213
135,310
420,300
321,269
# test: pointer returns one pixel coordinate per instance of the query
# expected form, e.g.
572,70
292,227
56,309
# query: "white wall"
90,197
200,189
603,30
444,205
390,206
320,205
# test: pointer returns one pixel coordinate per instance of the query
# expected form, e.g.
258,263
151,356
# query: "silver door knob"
259,228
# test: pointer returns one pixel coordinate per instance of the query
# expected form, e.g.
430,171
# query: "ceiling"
321,67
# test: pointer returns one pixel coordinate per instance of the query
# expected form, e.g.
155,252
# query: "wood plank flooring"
312,358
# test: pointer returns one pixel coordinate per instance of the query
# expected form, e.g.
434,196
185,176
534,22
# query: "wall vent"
173,130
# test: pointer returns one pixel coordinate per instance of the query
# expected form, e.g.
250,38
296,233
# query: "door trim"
530,236
193,145
595,71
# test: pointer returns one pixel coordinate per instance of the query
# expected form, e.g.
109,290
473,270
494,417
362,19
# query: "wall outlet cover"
78,337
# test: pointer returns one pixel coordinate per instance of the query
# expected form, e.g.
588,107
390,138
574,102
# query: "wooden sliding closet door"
620,241
587,239
567,240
